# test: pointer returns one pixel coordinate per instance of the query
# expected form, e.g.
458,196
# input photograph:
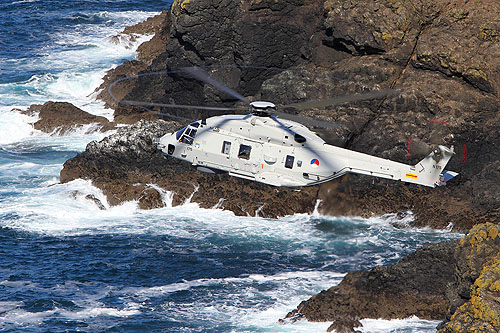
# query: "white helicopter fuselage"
285,153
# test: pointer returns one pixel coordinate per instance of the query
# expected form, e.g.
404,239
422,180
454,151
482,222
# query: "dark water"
66,265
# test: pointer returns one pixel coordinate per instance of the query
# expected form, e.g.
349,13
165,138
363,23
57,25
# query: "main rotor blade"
201,75
179,106
168,115
343,99
307,121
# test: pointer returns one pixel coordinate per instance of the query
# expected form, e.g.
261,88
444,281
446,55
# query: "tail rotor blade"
419,148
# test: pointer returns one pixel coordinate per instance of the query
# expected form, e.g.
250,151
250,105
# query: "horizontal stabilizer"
447,175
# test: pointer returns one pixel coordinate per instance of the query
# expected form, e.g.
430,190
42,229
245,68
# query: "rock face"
415,286
456,280
157,26
127,166
475,292
62,117
441,56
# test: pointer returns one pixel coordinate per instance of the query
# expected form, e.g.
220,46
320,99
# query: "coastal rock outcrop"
458,280
333,48
62,117
415,286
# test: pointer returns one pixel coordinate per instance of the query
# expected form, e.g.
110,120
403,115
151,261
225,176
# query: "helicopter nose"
167,143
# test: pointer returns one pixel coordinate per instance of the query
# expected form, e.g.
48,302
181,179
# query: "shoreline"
105,164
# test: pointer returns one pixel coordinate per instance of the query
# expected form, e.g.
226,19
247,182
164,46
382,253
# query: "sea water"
67,265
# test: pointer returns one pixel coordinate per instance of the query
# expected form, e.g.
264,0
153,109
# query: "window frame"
226,144
244,151
289,160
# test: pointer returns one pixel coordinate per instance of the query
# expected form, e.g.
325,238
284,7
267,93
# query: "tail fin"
431,169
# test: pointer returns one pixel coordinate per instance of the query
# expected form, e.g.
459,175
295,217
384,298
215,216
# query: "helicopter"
277,149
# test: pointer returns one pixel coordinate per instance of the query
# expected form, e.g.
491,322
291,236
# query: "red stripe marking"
408,148
439,122
465,154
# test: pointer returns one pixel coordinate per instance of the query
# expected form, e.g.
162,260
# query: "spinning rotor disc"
200,74
439,133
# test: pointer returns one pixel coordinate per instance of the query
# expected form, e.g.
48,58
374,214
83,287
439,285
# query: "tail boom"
428,172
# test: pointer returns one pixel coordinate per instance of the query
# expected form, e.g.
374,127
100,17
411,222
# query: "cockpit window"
179,133
191,132
196,124
188,135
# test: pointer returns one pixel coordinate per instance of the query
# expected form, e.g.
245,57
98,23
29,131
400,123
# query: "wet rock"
95,200
62,117
90,197
415,286
344,325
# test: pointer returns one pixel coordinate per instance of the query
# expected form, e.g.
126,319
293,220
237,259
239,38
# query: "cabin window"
299,163
187,140
244,152
289,161
299,138
226,147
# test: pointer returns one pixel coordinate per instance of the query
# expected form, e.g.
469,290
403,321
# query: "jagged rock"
97,202
151,25
62,117
120,89
226,32
150,50
344,325
475,293
415,286
125,165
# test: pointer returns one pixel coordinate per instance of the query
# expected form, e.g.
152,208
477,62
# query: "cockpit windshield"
186,135
179,133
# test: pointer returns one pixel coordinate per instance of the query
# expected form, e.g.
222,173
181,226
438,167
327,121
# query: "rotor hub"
262,108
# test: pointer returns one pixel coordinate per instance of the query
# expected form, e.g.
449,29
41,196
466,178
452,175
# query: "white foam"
23,1
20,317
271,298
412,324
97,311
15,126
73,72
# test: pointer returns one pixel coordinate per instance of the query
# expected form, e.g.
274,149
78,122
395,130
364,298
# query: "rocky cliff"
415,286
443,58
453,280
